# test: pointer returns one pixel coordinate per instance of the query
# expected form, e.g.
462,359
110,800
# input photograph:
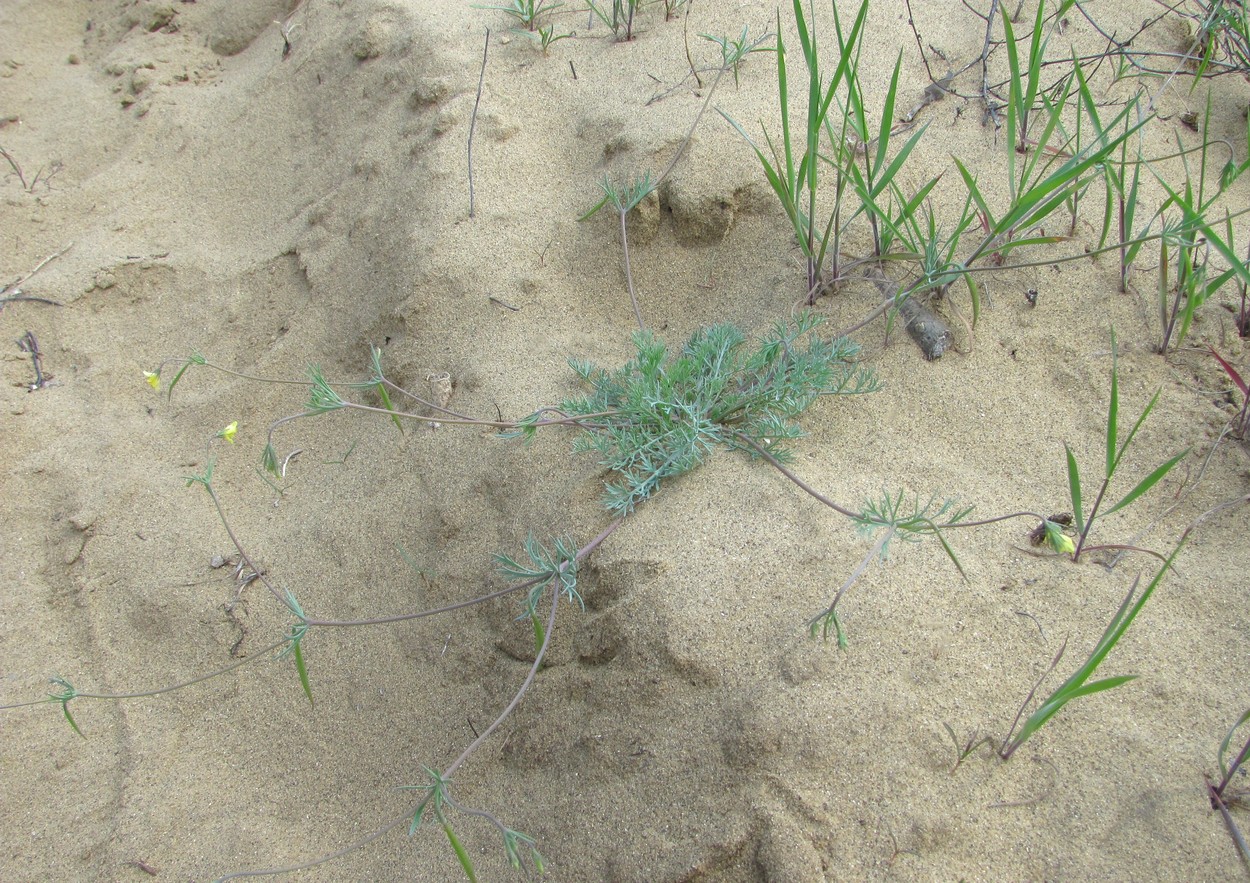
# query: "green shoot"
526,12
734,52
548,35
796,183
1078,684
294,643
1227,770
378,379
459,849
1115,451
1223,795
542,570
619,16
966,748
193,359
66,694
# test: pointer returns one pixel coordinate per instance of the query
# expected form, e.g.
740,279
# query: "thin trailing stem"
159,691
629,273
473,119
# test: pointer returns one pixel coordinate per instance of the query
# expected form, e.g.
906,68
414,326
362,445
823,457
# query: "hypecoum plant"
664,411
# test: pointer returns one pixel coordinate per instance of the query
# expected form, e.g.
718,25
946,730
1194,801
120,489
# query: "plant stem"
629,276
538,658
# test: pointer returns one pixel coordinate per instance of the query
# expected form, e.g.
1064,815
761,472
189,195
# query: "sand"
202,193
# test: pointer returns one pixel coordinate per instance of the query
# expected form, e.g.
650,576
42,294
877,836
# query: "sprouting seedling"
625,198
1115,450
526,12
548,35
286,28
1222,794
967,747
672,7
734,52
1079,683
619,17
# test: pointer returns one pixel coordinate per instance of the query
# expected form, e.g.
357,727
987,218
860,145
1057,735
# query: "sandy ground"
272,212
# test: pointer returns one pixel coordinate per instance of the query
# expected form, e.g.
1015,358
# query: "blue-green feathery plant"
659,417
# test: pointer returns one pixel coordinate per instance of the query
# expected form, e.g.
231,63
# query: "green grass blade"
1041,210
540,633
195,359
1014,100
1060,180
1076,686
1039,151
950,553
301,668
461,853
975,193
70,718
1196,222
771,173
887,117
884,179
1147,483
1008,247
1074,486
1057,701
784,92
1223,752
974,294
911,206
1136,426
1035,56
1097,687
386,403
595,208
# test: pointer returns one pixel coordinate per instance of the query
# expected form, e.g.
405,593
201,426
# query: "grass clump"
793,176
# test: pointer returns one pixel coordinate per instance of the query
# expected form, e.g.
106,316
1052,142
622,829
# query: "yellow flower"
1058,540
229,432
153,378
